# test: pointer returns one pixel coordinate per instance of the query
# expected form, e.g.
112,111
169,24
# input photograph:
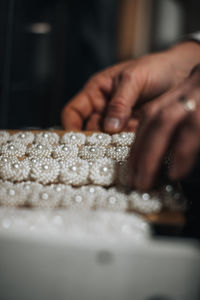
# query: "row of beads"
54,196
34,194
63,151
71,171
79,139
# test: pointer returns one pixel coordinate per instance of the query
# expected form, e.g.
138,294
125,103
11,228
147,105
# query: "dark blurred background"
48,49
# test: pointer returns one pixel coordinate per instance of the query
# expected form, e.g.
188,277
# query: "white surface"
97,261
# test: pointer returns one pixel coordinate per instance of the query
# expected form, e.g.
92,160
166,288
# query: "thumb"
120,106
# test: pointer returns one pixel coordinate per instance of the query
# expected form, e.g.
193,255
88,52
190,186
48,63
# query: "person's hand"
107,100
175,127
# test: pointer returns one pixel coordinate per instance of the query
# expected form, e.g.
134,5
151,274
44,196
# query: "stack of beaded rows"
73,170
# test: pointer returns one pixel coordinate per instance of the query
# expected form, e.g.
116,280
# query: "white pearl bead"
45,167
78,199
112,200
44,196
58,189
118,150
65,148
22,135
73,168
11,192
27,187
105,169
16,166
46,135
145,196
99,137
11,147
169,188
40,147
92,190
73,137
92,150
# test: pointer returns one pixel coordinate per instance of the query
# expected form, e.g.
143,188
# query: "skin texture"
171,127
116,98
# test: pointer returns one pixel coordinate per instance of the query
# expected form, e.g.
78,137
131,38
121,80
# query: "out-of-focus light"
39,28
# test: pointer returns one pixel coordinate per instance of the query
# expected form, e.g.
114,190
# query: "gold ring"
189,105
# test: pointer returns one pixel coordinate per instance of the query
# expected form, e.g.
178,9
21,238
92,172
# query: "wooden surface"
166,217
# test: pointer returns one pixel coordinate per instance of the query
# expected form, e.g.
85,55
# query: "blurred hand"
175,127
107,100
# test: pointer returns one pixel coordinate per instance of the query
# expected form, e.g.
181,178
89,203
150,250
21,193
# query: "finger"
120,106
186,147
94,123
81,107
91,99
74,113
132,124
152,143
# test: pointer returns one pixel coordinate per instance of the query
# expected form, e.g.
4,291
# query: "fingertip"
112,124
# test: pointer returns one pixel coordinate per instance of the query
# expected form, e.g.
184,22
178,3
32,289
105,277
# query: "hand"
108,98
173,127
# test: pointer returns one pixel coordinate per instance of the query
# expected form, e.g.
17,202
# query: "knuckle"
119,105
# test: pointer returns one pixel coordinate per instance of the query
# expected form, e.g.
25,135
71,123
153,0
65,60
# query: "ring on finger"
189,105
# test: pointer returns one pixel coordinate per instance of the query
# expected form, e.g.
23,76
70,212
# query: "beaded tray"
67,170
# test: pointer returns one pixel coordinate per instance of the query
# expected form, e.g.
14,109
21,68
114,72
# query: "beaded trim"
43,170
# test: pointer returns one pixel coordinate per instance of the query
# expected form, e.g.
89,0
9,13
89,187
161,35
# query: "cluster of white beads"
47,138
45,170
39,150
144,202
92,152
102,139
103,172
23,137
120,153
53,196
49,172
73,138
123,138
14,170
74,172
4,136
16,149
65,151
